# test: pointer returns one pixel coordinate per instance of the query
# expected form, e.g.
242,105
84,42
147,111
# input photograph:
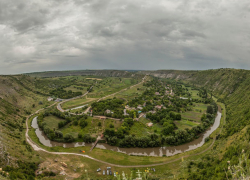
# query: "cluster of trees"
24,170
61,93
113,136
132,141
164,115
212,167
115,105
88,139
152,140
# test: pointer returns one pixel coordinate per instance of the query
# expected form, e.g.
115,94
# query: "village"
156,114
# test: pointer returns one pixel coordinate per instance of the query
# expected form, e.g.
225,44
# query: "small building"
150,124
139,107
158,107
157,93
153,112
58,100
102,117
183,98
125,112
50,99
108,111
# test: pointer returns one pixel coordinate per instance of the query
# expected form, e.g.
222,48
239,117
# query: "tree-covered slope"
17,100
232,87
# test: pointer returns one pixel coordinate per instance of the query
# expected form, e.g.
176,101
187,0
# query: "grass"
73,88
109,86
131,92
194,93
183,124
92,128
195,115
95,79
74,130
116,123
77,102
199,107
155,128
52,121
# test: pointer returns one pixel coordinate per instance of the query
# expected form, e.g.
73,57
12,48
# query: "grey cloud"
143,34
190,33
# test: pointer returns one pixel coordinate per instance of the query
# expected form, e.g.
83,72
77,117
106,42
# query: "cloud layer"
91,34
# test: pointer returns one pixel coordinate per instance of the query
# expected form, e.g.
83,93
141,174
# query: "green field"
73,88
107,122
91,128
131,92
103,88
195,115
183,124
194,93
110,85
52,121
156,128
77,102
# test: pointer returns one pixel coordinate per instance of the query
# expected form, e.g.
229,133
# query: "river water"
157,151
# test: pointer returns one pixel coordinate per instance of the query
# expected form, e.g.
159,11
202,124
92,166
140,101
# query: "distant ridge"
102,73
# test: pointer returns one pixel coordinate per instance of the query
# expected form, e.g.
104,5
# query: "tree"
59,134
168,128
75,123
210,110
88,139
79,135
83,123
178,116
99,124
69,138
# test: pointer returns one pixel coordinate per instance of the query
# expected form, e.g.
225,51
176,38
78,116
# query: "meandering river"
157,151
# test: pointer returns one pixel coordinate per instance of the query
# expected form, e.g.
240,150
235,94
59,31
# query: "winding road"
37,148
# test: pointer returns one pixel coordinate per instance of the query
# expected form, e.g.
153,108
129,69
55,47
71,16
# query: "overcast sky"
43,35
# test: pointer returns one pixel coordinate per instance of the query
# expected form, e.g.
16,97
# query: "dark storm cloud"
142,34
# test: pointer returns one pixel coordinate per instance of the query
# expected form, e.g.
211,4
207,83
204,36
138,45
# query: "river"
157,151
